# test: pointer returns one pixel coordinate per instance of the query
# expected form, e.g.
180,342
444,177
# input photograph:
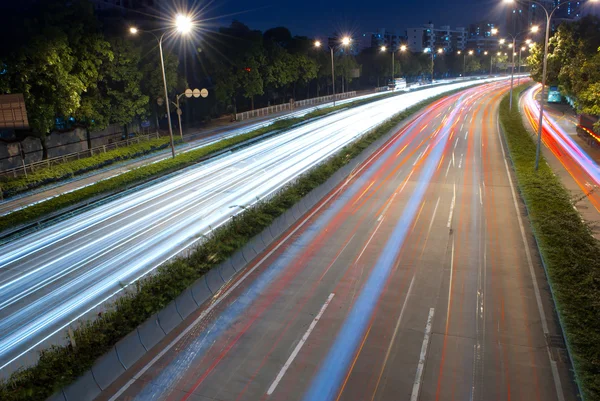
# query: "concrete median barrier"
214,280
248,252
237,261
169,317
130,349
226,270
150,332
107,369
257,244
200,291
84,389
266,236
185,303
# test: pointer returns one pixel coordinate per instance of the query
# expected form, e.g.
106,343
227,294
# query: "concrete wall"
59,144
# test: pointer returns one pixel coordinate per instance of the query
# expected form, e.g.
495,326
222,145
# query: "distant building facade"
444,37
481,38
525,14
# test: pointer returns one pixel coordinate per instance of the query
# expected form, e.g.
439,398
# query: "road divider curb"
169,317
150,331
107,369
130,349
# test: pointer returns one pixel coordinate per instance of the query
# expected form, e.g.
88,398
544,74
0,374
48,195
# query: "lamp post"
402,49
345,42
183,24
430,50
549,15
513,47
470,53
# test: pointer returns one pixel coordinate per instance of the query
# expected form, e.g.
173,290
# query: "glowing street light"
383,48
344,42
403,48
182,24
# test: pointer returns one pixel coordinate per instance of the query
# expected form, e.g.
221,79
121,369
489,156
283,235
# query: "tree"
473,64
122,83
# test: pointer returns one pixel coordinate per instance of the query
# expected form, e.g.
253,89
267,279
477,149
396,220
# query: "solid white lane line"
393,340
452,207
369,241
450,285
433,217
536,289
421,366
299,346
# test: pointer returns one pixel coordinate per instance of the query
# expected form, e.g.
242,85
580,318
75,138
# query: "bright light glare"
440,51
317,43
470,52
535,28
502,41
494,31
346,41
528,41
403,48
183,23
459,52
383,48
133,30
485,53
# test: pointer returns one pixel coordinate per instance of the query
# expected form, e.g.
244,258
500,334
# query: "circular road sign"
204,93
196,93
188,93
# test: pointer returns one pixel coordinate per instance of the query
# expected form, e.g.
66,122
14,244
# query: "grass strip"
156,170
64,171
59,366
570,253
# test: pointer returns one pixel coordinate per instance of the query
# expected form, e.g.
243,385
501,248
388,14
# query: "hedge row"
155,170
60,366
570,252
47,175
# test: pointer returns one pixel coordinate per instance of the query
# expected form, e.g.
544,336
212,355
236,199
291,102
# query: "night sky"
317,18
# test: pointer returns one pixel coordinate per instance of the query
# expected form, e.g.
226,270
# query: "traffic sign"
196,93
188,93
204,93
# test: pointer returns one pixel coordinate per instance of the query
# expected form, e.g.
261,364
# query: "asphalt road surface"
413,280
58,274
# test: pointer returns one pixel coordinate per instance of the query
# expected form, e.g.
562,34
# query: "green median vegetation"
151,171
570,252
63,171
60,366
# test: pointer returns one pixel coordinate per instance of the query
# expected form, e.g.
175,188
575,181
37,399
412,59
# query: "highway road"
583,169
58,274
413,280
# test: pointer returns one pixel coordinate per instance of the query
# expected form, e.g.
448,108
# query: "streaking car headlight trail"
52,277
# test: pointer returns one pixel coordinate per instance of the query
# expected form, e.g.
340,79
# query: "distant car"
397,84
554,95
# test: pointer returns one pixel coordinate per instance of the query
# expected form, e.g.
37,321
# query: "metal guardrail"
32,167
292,105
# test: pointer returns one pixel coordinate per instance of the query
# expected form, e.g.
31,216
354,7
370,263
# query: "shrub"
570,253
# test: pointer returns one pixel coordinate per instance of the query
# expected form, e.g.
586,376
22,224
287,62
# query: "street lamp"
182,24
430,50
469,53
344,42
513,47
535,29
384,49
